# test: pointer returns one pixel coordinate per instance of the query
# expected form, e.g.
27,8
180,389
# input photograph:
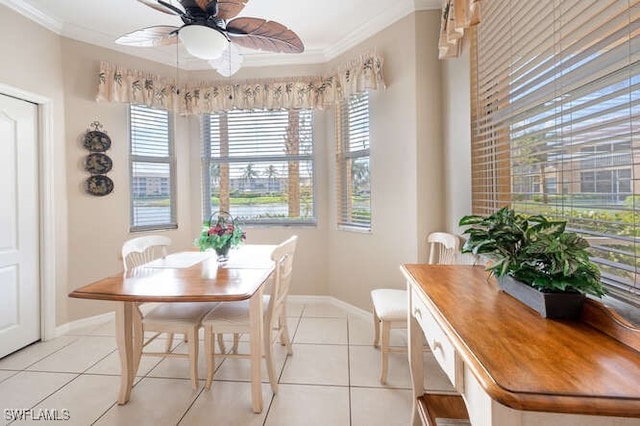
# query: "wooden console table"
512,367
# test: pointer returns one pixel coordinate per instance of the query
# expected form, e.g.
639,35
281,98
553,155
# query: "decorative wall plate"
98,163
99,185
97,141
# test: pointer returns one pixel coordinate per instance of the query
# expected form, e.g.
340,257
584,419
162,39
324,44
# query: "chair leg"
236,340
193,356
284,335
386,330
376,328
223,348
138,341
169,343
209,352
268,355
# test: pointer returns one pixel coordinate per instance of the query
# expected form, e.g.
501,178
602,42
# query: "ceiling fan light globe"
203,42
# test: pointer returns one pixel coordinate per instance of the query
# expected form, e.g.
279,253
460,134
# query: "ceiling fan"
209,30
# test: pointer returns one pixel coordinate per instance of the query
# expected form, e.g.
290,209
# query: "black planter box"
549,305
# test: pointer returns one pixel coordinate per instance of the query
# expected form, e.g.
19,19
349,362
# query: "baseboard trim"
330,299
72,326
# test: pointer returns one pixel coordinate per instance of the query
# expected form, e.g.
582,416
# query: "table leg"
256,320
124,339
416,366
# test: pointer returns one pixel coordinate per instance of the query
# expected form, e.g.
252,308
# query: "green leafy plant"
220,232
534,250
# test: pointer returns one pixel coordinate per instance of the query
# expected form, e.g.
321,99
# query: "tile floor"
331,380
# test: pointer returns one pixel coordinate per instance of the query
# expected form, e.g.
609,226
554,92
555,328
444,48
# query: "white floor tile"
153,402
85,399
323,310
35,352
318,365
228,404
292,325
26,389
78,356
381,407
360,331
332,351
5,374
365,367
239,369
111,365
294,310
179,368
296,405
322,331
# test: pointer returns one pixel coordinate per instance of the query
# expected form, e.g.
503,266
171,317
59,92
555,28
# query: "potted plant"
535,260
220,233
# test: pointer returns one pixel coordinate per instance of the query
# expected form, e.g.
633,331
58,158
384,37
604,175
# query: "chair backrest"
443,248
283,256
137,251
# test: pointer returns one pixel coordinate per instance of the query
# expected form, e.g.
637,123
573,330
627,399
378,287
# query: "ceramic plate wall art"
98,163
99,185
97,141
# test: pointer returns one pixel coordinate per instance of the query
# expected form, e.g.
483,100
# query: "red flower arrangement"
220,233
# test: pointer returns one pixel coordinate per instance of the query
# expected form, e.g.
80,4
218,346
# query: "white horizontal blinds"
152,165
261,165
352,163
556,95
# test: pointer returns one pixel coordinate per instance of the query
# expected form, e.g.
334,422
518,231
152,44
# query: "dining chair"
390,305
183,318
233,317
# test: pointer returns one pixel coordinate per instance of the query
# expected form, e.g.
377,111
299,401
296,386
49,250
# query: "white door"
19,226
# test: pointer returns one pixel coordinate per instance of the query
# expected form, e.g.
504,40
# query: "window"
258,166
152,169
556,95
352,163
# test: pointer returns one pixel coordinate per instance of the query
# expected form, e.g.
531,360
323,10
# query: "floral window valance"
457,15
117,84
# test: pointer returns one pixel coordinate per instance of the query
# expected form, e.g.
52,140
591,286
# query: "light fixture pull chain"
177,69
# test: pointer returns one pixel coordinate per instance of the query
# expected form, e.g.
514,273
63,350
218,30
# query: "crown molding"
398,11
34,14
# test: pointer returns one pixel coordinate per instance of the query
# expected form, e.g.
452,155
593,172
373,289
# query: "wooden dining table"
189,276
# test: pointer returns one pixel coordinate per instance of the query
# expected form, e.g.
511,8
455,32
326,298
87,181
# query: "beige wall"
456,106
99,225
407,194
406,161
32,63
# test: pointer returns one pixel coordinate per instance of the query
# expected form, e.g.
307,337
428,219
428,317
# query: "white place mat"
180,260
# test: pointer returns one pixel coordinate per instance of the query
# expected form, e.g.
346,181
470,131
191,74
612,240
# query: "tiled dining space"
331,379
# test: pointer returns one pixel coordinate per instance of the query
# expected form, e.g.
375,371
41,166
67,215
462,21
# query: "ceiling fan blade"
229,62
256,33
161,35
154,4
228,9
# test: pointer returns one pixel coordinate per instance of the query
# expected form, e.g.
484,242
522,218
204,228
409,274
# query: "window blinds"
152,193
555,103
352,163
